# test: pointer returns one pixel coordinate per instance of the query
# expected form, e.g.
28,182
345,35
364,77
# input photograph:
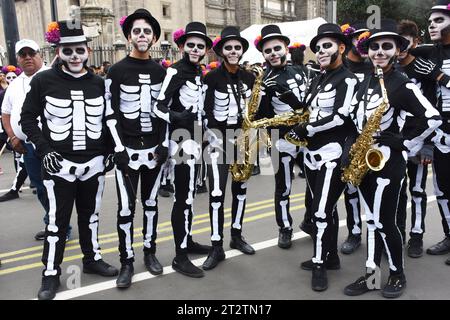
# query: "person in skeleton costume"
329,103
379,190
418,70
227,90
283,90
132,86
72,144
180,103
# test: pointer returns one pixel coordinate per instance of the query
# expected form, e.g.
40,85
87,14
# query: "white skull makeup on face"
141,35
327,51
232,51
383,52
436,23
10,76
275,52
194,49
405,53
74,56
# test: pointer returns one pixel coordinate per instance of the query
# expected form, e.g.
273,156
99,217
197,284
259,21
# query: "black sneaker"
184,266
10,195
215,256
152,264
351,244
125,276
48,288
40,235
333,263
440,248
415,247
197,248
101,268
358,287
202,189
319,280
307,227
395,286
239,243
285,238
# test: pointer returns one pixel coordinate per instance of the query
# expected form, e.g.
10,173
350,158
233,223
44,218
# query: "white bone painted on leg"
388,252
216,178
287,175
215,221
355,212
284,213
49,185
443,203
98,197
417,228
94,239
240,210
126,228
125,211
190,198
151,202
186,229
321,226
381,185
50,271
148,236
325,190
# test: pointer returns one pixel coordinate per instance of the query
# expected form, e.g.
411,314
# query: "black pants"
85,189
417,178
379,193
353,208
21,172
126,192
441,166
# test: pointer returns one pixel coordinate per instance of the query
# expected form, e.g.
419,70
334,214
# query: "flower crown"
257,40
216,41
178,34
166,63
363,37
347,29
297,45
122,21
53,35
11,68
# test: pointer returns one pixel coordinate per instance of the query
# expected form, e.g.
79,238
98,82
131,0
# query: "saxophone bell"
375,159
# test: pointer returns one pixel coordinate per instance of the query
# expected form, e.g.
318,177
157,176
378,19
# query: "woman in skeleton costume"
329,104
69,101
132,86
283,91
227,90
420,71
180,103
379,190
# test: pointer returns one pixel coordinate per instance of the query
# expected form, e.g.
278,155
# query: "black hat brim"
339,36
218,47
183,38
401,41
128,23
275,36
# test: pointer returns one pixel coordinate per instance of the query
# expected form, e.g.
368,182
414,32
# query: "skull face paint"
74,56
232,51
275,52
194,49
10,76
141,35
327,51
383,52
437,22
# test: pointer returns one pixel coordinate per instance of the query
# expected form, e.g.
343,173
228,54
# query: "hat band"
196,32
384,33
273,35
73,39
439,8
361,30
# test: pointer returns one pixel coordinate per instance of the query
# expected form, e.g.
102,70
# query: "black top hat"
269,32
141,14
195,29
360,27
388,29
331,30
71,32
441,5
230,33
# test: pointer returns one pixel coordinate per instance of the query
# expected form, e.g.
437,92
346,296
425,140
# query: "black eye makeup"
138,31
276,49
191,45
326,45
385,46
229,48
69,51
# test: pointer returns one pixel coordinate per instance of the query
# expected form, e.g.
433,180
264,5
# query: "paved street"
271,274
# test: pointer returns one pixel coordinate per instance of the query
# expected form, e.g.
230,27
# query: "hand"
162,153
426,154
436,72
391,140
184,117
17,145
121,160
108,162
291,99
51,162
301,131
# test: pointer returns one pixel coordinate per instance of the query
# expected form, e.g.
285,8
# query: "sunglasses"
326,45
385,46
236,47
276,49
24,53
191,45
69,51
138,31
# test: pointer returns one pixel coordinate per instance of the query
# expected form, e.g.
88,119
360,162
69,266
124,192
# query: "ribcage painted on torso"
136,102
297,85
445,92
191,95
323,103
77,115
225,104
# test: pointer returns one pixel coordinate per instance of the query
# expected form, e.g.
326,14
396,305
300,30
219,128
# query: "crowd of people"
151,121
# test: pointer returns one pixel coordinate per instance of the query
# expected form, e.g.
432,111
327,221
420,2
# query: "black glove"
108,162
121,159
51,162
391,140
301,131
290,98
184,117
162,153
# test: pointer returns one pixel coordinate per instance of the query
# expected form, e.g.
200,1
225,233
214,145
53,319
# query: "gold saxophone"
243,171
362,156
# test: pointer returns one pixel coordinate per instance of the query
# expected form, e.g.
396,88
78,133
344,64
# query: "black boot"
285,238
415,247
183,265
359,287
48,288
319,280
395,286
197,248
239,243
215,256
332,263
10,195
152,264
440,248
351,244
125,276
101,268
